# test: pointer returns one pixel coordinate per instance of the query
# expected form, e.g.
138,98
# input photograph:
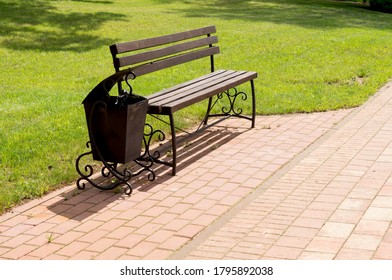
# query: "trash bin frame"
115,175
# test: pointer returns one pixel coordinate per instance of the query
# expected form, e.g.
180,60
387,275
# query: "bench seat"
170,100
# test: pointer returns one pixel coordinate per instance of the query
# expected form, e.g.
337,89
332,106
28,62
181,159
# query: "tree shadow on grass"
37,25
313,14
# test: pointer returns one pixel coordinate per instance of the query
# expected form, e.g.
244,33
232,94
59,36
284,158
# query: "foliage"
382,5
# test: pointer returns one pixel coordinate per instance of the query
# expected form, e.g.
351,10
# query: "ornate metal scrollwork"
228,109
149,135
148,158
232,95
109,170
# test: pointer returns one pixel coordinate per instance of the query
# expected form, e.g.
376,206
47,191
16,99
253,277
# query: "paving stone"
299,186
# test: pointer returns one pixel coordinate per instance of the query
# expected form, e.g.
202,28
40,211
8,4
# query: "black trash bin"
115,123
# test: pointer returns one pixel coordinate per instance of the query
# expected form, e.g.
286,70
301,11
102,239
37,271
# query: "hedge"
382,5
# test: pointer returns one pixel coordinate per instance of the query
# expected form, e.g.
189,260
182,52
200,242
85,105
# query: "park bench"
145,56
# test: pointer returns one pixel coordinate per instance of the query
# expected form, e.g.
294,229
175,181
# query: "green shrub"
382,5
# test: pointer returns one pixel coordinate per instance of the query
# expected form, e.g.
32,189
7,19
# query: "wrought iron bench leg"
209,106
174,145
232,95
252,84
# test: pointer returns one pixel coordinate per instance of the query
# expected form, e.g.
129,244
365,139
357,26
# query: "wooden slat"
211,91
200,89
167,51
159,95
192,88
172,61
161,40
187,96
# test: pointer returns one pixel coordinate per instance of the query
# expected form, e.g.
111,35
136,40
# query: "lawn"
311,55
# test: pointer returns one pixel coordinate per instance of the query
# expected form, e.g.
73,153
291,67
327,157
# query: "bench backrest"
153,54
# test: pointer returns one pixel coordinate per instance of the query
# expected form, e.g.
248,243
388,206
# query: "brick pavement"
333,202
295,187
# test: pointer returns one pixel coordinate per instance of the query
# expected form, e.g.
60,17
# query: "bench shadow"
79,205
190,150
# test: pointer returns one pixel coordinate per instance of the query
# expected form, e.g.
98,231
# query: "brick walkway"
305,186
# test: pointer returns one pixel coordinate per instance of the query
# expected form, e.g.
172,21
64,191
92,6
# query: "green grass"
311,55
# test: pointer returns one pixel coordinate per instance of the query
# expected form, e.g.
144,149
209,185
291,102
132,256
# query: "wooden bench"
145,56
